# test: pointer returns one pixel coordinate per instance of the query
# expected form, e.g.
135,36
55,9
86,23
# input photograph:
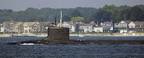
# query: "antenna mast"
61,14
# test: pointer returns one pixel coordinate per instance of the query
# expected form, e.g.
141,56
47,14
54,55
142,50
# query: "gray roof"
139,22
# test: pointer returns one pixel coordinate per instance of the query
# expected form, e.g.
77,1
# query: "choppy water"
70,51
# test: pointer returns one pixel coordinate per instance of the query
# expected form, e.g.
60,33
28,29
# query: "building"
44,26
18,27
137,26
35,27
73,27
86,28
26,27
98,29
31,27
9,26
122,26
1,28
107,26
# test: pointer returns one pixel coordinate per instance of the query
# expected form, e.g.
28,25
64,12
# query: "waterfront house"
44,26
31,27
93,23
26,27
35,27
73,28
9,26
122,26
66,24
86,28
1,28
98,29
107,26
69,25
82,27
18,27
136,26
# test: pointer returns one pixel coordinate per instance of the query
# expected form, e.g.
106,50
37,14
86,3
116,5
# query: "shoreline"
74,34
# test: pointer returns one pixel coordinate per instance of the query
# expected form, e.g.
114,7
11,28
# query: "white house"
26,28
31,27
66,24
69,25
1,28
44,26
98,29
9,26
122,26
86,28
132,25
18,27
137,26
73,28
107,26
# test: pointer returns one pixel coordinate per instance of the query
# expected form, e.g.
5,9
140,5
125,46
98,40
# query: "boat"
27,44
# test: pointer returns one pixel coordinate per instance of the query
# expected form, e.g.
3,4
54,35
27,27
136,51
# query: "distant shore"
77,34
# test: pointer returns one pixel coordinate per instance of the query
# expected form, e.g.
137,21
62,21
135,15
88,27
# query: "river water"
71,51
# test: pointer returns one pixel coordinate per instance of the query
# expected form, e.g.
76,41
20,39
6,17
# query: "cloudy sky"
23,4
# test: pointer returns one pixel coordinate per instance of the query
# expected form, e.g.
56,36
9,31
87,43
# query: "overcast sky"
23,4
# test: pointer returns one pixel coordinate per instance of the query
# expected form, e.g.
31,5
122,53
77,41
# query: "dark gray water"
70,51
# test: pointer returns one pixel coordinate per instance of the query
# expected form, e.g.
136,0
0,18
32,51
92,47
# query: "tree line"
85,14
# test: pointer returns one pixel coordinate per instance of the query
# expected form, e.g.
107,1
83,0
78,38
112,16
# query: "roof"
107,22
139,22
125,21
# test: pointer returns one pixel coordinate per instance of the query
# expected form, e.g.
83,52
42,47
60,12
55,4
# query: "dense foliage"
106,13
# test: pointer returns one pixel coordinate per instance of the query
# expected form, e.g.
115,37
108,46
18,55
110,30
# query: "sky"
24,4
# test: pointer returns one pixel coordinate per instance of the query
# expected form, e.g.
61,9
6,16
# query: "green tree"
77,19
115,12
102,15
136,13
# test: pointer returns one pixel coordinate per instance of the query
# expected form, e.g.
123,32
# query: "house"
69,25
9,26
44,26
137,26
26,27
86,28
73,28
66,24
93,23
98,29
122,26
18,27
83,27
35,27
31,27
13,27
107,26
1,28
